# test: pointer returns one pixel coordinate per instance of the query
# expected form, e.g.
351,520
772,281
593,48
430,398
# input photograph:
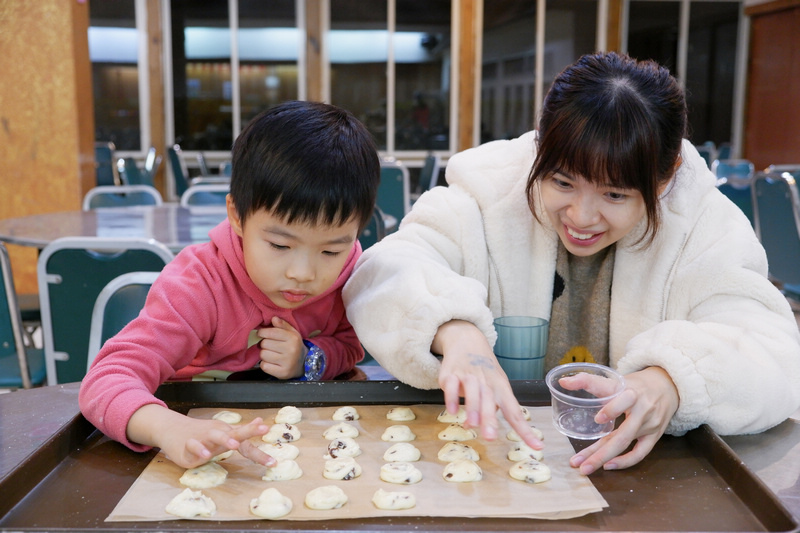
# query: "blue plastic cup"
521,345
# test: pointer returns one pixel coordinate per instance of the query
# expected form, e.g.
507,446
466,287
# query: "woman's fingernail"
587,469
610,466
577,460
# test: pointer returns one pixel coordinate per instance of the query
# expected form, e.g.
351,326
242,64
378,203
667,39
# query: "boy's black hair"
306,162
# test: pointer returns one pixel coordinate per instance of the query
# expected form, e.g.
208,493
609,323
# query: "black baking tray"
692,483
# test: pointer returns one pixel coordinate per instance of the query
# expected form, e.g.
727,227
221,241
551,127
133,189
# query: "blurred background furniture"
734,177
428,176
708,151
71,273
180,173
394,195
105,169
152,162
121,196
20,366
119,302
776,208
205,194
375,230
169,223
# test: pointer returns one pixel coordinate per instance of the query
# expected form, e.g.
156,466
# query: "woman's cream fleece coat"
696,301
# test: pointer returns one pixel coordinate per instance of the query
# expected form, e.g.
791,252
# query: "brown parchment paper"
568,494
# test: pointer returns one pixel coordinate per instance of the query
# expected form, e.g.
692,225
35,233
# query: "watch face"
314,363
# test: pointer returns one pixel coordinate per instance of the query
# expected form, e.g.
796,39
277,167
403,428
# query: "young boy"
265,292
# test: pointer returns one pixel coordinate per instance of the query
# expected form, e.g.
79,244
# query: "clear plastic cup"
574,410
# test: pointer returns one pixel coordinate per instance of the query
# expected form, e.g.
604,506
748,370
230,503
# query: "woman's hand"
470,369
282,350
191,442
649,401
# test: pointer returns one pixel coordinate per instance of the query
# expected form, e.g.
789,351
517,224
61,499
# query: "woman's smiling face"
590,217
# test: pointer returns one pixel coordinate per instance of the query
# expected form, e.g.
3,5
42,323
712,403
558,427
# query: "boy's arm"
342,349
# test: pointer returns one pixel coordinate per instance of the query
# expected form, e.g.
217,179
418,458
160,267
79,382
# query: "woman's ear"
233,216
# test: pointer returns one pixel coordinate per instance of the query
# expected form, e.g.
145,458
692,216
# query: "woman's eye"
561,183
616,196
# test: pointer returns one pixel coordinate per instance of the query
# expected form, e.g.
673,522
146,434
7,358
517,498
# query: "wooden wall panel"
46,114
772,127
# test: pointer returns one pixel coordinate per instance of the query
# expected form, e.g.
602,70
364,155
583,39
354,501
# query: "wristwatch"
314,362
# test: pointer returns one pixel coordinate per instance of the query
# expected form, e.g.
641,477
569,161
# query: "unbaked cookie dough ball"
520,451
400,414
457,432
401,473
285,470
404,452
191,504
459,417
342,468
271,504
281,451
282,433
325,497
288,415
393,500
343,447
204,476
346,413
342,429
398,433
453,451
530,471
229,417
462,471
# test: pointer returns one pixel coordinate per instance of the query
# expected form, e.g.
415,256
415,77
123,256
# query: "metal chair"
776,208
71,273
394,196
105,171
734,178
131,174
375,230
428,176
180,173
205,194
20,366
121,196
118,303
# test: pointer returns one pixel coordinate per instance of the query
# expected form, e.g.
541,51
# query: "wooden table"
48,451
174,226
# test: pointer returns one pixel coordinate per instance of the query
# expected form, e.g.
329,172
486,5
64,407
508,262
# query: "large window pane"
422,73
113,49
653,31
509,58
201,69
269,43
711,64
358,47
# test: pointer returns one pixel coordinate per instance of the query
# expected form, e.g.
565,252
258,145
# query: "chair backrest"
776,207
180,173
375,230
105,169
205,194
121,196
394,196
429,176
71,273
734,170
131,174
151,164
15,371
118,303
793,170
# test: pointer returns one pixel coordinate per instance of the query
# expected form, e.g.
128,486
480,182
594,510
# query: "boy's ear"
233,216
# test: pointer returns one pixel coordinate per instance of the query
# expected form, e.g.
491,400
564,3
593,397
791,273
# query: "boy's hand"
282,350
191,442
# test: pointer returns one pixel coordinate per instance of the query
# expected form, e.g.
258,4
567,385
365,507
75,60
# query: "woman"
609,224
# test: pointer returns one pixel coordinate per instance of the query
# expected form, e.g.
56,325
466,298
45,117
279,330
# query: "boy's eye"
278,246
331,253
